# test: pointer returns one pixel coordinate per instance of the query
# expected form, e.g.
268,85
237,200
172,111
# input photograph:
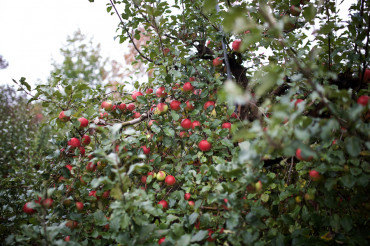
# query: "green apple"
161,176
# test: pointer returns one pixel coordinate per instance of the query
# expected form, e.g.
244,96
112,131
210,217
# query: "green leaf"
169,131
155,128
192,218
348,181
309,12
23,82
199,236
184,240
353,145
99,218
174,115
265,197
209,5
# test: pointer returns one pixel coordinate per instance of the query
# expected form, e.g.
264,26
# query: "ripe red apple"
161,92
69,167
197,92
183,134
194,124
106,194
297,101
63,117
189,106
151,122
27,208
186,124
145,150
161,240
86,140
217,62
74,142
166,51
67,238
149,91
161,176
363,100
82,151
72,224
175,105
163,203
204,145
187,196
79,206
103,115
191,79
136,94
122,107
226,125
83,122
208,104
170,180
298,154
191,203
188,87
367,75
236,45
136,115
161,109
91,167
107,105
295,11
130,107
314,175
92,193
143,179
234,115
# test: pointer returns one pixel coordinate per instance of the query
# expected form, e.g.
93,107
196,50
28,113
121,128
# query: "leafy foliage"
293,168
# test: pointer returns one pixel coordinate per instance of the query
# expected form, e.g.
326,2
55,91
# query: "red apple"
151,122
161,109
143,179
217,62
189,106
314,175
122,107
208,104
170,180
107,105
236,45
234,115
188,87
183,134
69,167
82,151
145,150
204,145
161,92
297,101
367,75
226,125
191,79
27,208
259,186
106,194
175,105
79,206
92,193
210,232
149,91
161,240
86,140
72,224
103,115
163,203
136,115
67,238
83,122
166,51
191,203
186,124
187,196
130,107
298,154
63,117
136,94
194,124
90,167
74,142
363,100
295,11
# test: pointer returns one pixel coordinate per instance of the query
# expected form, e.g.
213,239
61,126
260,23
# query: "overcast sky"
33,31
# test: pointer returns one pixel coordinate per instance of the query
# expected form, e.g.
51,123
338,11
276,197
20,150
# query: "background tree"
3,63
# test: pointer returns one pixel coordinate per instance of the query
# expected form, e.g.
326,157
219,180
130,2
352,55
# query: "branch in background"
129,35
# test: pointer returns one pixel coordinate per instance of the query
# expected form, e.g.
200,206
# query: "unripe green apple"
161,176
259,186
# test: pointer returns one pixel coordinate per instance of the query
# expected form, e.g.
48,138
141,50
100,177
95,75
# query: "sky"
32,32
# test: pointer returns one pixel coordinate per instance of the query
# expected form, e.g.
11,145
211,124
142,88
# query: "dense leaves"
290,166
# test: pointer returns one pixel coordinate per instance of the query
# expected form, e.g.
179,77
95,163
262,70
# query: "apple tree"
252,130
